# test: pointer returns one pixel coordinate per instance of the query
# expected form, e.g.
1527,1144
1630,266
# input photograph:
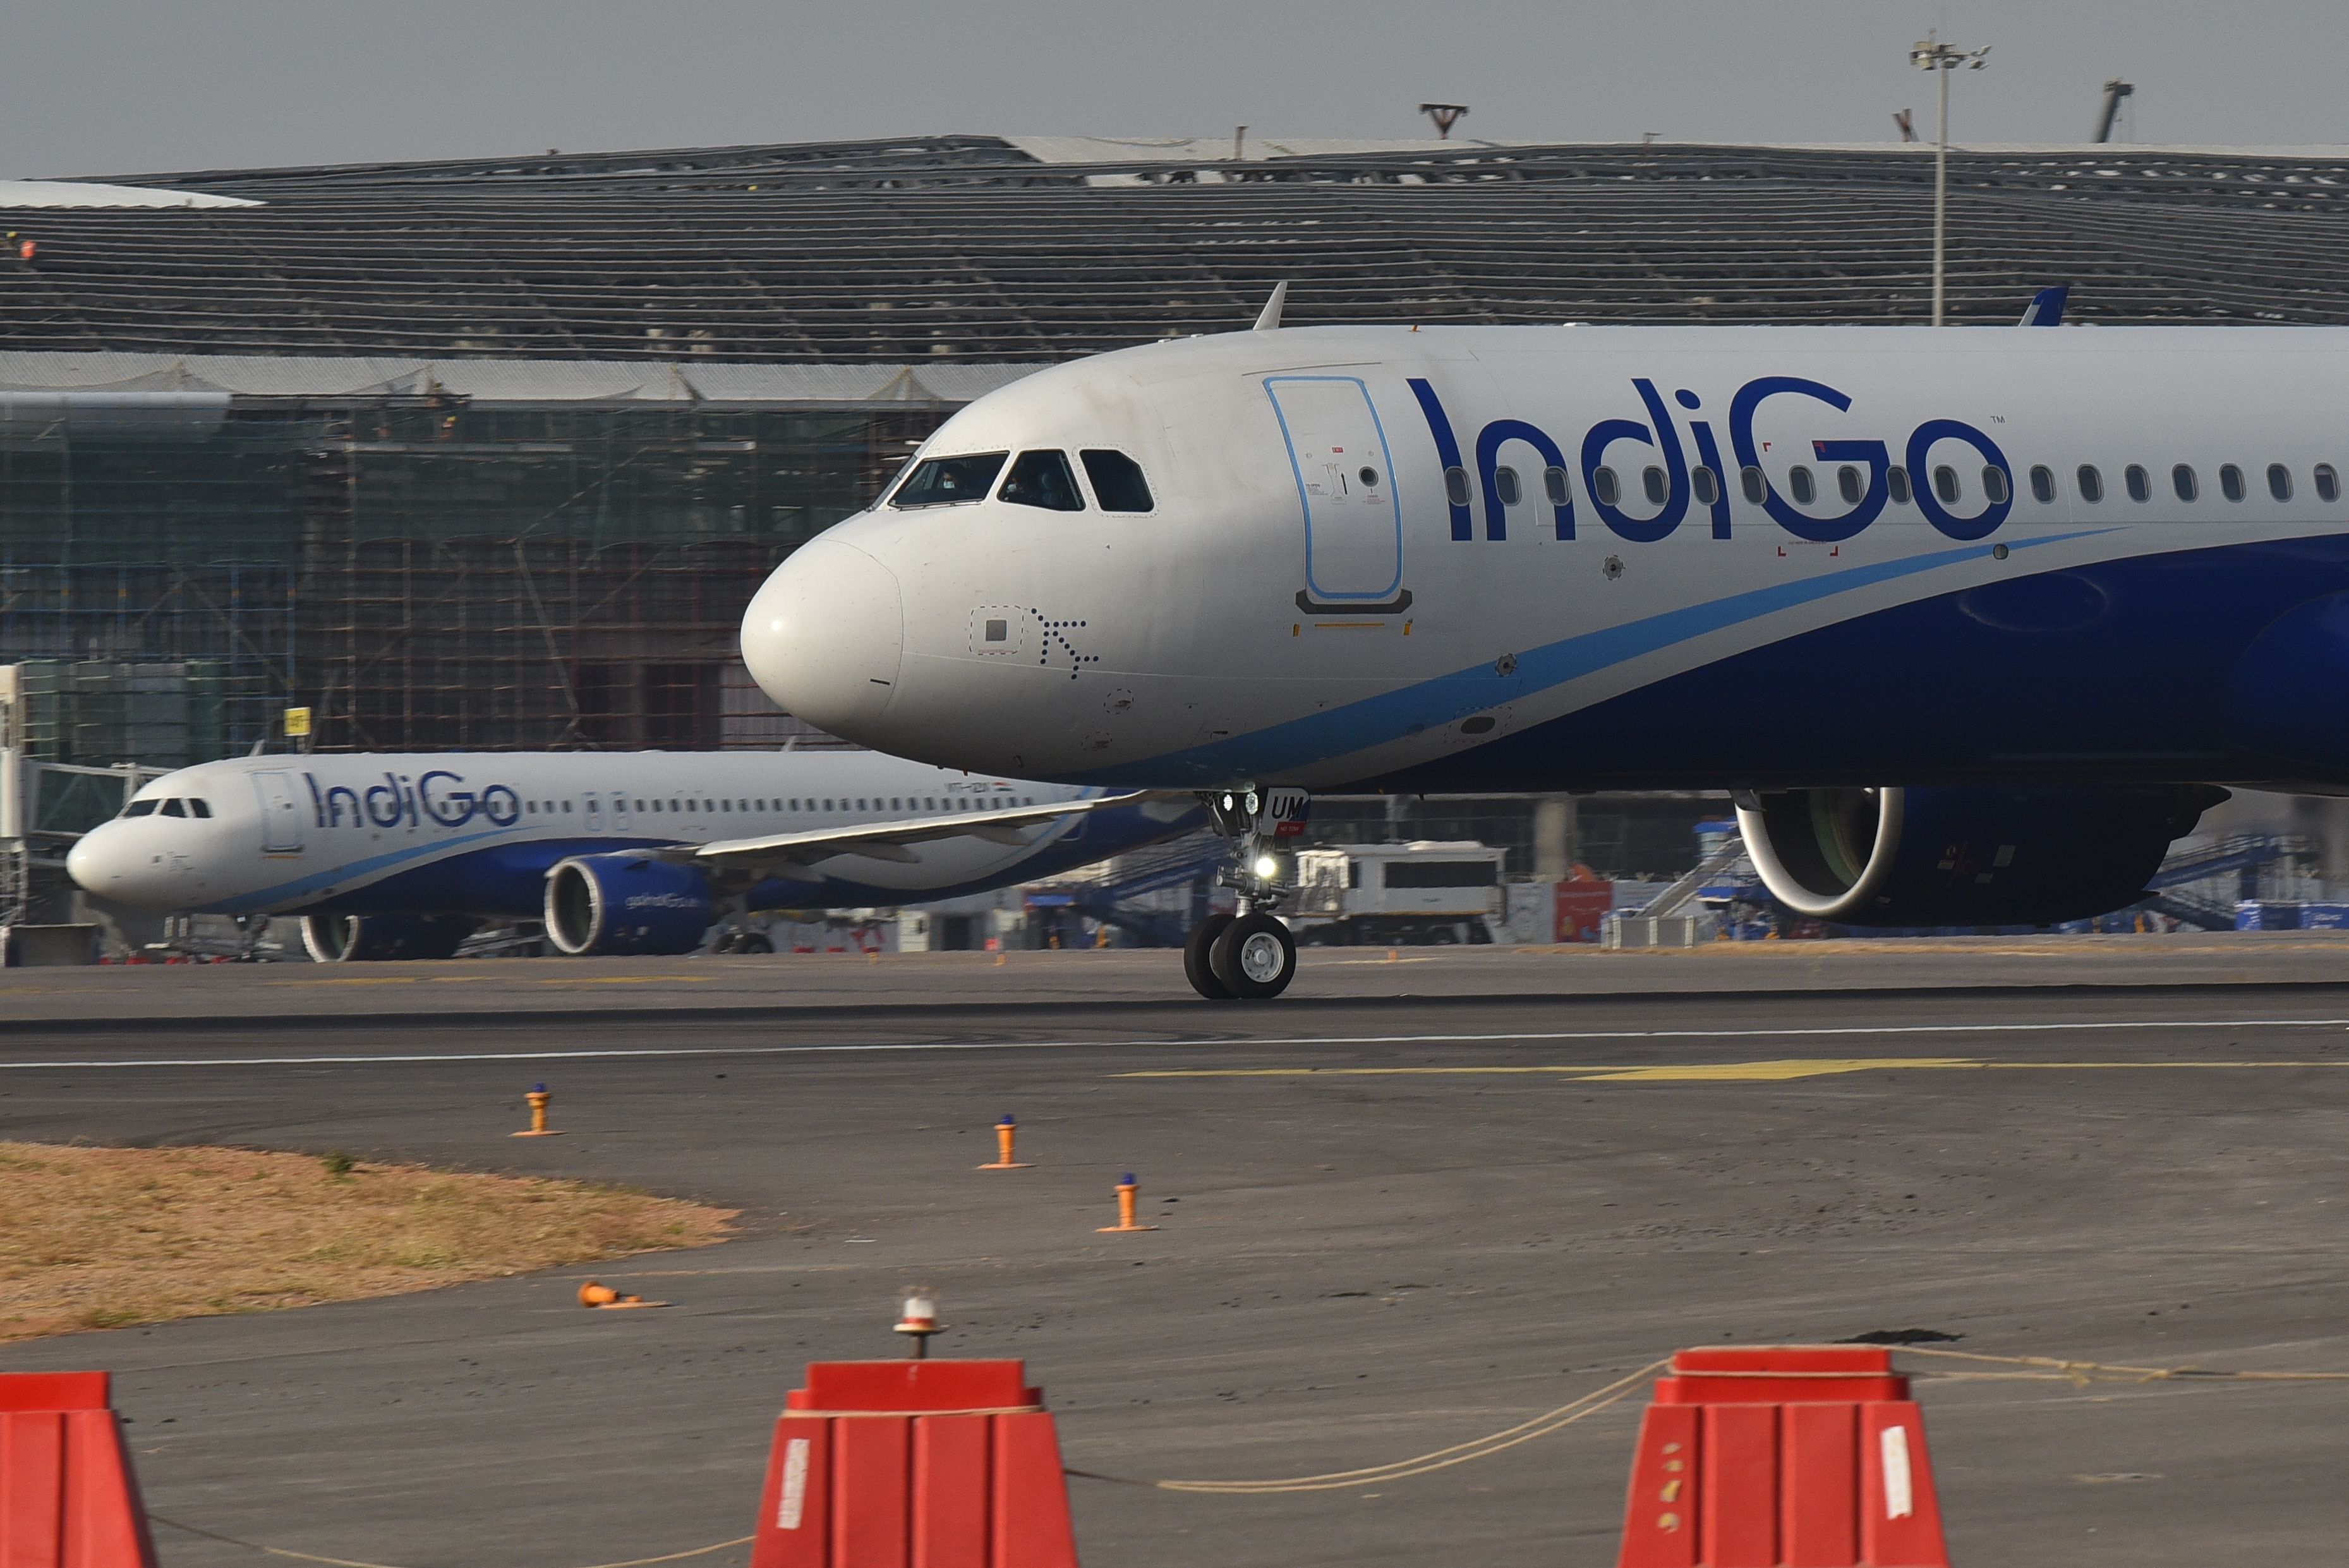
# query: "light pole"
1940,58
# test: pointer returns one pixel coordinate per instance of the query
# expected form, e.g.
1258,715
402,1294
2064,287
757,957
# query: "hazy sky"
125,85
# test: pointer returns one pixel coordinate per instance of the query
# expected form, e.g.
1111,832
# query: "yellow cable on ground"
348,1562
2084,1372
1540,1426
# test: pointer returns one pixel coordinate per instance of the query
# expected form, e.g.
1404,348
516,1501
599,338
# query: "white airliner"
401,856
1973,621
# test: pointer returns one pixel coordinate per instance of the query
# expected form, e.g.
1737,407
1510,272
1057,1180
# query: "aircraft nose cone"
825,635
85,860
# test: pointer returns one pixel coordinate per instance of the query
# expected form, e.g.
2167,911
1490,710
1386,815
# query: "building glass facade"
424,572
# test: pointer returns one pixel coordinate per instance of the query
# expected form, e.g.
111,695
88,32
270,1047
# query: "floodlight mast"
1940,58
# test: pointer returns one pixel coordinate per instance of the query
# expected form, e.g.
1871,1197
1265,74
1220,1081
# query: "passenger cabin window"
1755,484
140,808
2279,482
2230,481
1505,485
1603,487
1658,486
1945,485
1455,486
2139,482
2092,483
2181,480
1798,481
1994,484
1042,479
1896,481
2043,483
1847,484
2328,483
949,482
1554,487
1117,478
1703,480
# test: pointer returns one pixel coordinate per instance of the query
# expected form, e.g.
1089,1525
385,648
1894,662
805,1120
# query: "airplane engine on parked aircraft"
365,938
626,904
1911,857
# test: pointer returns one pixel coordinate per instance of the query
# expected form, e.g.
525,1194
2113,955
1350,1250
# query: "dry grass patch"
101,1238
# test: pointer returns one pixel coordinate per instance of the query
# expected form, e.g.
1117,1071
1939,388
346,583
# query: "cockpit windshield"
949,482
1044,479
140,808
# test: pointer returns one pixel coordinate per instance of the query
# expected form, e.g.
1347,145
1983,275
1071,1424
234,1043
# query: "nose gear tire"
1254,957
1196,966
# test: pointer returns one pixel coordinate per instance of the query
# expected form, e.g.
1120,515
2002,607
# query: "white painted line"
1273,1042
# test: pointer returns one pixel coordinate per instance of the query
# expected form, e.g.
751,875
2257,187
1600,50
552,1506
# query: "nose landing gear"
1247,956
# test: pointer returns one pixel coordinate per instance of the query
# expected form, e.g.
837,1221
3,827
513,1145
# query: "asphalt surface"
1391,1220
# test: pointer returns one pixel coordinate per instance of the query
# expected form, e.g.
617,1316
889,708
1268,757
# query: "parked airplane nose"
824,636
100,861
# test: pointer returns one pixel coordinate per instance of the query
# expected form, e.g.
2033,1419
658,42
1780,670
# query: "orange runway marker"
1004,1131
1125,1192
538,1101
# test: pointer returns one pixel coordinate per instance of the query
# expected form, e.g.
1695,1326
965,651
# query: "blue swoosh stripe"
312,884
1408,711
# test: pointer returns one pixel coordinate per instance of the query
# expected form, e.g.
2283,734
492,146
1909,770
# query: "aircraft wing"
797,854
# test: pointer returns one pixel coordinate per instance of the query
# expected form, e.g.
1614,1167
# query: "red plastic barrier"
68,1496
1793,1457
915,1464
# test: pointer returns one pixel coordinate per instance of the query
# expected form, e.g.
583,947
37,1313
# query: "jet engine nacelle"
1906,857
626,904
365,938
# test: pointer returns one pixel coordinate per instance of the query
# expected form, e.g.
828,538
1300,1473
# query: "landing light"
1266,865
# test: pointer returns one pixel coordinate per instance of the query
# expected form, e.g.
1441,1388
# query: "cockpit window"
198,808
948,481
140,808
174,809
1118,483
1045,479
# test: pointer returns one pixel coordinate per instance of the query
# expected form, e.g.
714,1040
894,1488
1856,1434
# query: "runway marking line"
1557,1036
1784,1071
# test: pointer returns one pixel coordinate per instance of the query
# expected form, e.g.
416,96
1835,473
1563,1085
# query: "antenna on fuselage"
1268,318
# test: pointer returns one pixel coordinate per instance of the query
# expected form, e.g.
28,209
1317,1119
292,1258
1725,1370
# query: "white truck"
1384,896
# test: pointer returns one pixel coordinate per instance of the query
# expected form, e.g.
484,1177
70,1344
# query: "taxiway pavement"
1425,1201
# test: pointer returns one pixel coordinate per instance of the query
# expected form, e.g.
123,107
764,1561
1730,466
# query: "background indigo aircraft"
1973,622
402,856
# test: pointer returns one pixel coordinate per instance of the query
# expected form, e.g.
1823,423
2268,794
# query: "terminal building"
491,453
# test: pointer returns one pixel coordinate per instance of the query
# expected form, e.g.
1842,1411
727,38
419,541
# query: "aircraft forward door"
280,818
1345,487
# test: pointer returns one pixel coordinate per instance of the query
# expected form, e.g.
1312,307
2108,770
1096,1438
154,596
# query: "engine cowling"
370,938
626,904
1904,857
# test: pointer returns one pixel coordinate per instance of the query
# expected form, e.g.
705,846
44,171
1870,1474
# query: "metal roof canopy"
977,251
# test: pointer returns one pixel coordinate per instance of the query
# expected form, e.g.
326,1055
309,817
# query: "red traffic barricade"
1790,1456
915,1464
69,1498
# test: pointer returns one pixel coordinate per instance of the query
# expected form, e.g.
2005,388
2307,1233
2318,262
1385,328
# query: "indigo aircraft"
1972,622
402,856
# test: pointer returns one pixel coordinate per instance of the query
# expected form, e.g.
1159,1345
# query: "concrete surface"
802,986
1427,1202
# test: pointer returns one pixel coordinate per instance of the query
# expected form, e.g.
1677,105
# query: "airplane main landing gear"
1247,956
